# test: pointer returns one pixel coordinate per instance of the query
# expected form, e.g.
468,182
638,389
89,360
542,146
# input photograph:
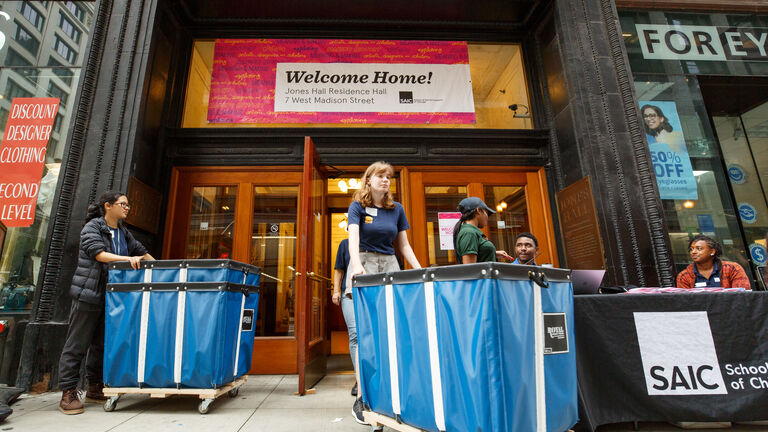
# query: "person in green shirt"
469,242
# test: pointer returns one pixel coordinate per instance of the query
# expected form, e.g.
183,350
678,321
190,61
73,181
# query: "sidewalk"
265,403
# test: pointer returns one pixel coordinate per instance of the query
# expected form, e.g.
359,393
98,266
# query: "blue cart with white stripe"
179,327
475,347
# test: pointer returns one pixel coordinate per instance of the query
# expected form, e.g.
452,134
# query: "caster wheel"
204,406
110,404
234,392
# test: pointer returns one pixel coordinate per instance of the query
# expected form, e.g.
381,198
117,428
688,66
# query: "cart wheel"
111,404
233,393
204,404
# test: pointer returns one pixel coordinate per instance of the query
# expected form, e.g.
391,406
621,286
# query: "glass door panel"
744,143
511,216
273,248
212,218
318,262
439,199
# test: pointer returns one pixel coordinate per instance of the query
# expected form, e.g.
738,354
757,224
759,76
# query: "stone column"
97,159
597,133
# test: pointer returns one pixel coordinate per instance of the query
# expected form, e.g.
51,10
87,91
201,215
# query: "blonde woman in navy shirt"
377,226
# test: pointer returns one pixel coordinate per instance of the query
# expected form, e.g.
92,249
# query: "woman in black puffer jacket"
104,239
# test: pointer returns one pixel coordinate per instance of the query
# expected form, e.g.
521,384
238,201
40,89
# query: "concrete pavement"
266,403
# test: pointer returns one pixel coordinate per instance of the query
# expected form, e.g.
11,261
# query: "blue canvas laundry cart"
179,327
475,347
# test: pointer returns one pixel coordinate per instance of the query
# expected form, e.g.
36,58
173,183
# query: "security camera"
514,108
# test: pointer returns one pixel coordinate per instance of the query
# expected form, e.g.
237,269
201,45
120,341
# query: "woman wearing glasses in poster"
658,129
103,239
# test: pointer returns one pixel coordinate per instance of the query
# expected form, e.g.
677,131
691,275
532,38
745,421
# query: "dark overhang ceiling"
375,15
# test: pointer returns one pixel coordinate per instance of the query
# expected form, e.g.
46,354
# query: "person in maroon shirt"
708,270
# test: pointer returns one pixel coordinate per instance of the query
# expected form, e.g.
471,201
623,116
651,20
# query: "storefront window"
26,70
709,168
708,209
497,82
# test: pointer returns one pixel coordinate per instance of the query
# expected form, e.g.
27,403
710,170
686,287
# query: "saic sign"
678,354
703,43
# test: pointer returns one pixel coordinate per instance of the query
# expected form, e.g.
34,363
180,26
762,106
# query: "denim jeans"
373,262
348,309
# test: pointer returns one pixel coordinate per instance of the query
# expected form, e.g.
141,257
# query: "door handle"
317,276
294,271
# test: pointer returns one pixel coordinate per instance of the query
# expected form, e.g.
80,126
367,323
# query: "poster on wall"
669,155
340,81
22,156
446,222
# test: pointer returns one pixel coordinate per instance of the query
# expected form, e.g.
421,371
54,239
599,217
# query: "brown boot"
70,403
95,393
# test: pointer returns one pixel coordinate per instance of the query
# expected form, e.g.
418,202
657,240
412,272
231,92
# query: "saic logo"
406,97
678,353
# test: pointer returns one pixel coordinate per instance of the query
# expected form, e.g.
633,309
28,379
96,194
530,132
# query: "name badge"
717,279
373,211
701,284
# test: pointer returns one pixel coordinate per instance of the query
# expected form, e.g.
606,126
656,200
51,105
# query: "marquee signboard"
702,43
340,81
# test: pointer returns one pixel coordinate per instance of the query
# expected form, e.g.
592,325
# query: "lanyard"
116,241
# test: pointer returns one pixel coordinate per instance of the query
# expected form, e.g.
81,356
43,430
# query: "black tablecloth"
651,357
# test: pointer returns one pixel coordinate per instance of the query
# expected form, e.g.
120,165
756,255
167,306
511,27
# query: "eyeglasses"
124,205
652,115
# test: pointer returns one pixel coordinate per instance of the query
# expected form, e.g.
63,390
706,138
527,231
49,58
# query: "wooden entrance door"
313,274
521,191
251,215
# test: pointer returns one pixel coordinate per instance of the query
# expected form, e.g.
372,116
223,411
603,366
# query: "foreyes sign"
707,43
340,81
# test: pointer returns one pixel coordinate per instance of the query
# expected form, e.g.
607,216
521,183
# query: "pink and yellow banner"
340,81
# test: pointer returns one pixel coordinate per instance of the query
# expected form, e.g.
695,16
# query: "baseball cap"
471,203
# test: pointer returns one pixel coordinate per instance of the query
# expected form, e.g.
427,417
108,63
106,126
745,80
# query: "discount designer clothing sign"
340,81
22,156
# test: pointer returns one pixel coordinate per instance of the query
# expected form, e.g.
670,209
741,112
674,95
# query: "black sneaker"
357,411
354,389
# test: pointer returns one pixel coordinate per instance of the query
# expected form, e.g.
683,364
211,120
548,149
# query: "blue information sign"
736,174
706,225
758,253
748,213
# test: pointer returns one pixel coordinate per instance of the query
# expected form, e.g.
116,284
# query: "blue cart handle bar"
489,270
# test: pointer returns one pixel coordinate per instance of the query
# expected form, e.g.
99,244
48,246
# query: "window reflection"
511,216
441,199
25,71
273,248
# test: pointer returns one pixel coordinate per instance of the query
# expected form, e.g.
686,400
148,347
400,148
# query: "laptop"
586,281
